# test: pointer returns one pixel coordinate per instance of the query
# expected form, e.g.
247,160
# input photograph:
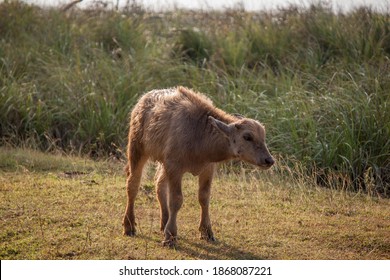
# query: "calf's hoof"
207,234
209,239
170,242
129,232
128,227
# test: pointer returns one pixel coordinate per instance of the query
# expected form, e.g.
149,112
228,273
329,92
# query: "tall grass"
319,81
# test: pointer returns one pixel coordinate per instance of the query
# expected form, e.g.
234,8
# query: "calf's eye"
248,137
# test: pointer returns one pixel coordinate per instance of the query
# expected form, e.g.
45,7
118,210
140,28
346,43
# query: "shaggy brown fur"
184,132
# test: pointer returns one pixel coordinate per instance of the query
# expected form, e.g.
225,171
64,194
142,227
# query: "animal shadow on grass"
215,250
218,250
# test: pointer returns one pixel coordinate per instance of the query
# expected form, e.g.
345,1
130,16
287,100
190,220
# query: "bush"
193,46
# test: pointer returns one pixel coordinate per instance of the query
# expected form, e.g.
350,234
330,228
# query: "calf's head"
247,141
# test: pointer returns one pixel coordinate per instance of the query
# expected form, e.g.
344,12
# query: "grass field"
63,207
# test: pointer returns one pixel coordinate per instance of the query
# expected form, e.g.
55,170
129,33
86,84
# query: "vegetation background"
318,80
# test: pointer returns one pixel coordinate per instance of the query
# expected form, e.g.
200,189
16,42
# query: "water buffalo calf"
184,132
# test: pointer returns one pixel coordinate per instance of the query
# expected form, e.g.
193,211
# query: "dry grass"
62,207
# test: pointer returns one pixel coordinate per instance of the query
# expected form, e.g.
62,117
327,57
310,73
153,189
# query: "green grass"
66,207
318,80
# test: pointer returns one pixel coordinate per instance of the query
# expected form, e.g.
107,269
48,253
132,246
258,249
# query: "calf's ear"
224,128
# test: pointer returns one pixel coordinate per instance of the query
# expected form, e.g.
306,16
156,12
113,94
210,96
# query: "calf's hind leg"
136,164
205,179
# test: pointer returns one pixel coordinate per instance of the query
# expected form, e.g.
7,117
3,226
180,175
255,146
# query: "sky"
250,5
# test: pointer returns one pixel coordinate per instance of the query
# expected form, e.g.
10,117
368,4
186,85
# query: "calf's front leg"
162,195
175,201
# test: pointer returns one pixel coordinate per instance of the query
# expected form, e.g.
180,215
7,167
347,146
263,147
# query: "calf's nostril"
269,161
